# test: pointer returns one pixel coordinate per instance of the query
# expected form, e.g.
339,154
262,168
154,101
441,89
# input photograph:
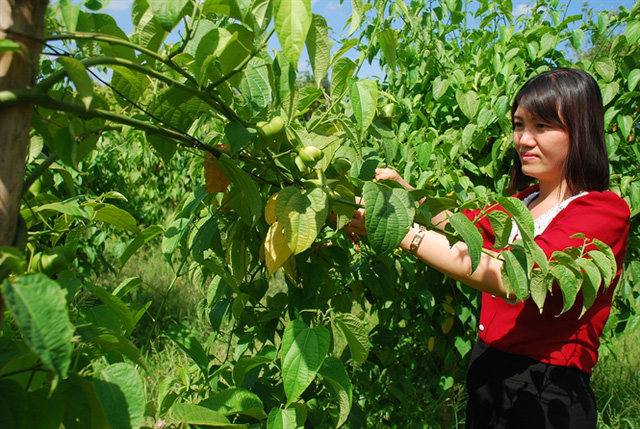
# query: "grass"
616,383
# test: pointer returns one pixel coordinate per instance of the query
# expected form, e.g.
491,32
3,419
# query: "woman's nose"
526,138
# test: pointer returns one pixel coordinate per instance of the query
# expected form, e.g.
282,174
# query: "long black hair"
570,99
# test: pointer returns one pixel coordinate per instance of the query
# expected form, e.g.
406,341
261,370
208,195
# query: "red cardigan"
564,340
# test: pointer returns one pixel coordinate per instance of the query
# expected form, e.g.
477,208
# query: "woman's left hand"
357,223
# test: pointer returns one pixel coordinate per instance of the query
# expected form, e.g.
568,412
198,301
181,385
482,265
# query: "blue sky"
337,14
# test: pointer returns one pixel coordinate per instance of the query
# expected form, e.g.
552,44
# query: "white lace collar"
543,221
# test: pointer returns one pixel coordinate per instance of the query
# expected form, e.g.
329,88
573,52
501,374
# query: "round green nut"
341,166
387,111
272,128
310,155
50,263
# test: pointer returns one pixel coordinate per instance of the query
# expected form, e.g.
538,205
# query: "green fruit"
272,128
299,164
310,155
387,111
341,166
50,264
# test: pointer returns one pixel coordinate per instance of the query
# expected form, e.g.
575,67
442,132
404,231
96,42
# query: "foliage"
322,331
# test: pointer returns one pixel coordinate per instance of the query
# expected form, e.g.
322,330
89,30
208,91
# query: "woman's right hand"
391,174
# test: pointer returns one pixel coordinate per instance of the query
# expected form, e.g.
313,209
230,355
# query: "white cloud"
119,5
521,9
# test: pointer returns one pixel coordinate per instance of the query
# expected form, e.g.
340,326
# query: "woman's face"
542,147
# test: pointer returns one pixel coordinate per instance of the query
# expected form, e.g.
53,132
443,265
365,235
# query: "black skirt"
511,391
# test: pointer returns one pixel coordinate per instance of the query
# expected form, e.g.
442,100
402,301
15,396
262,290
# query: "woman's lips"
528,156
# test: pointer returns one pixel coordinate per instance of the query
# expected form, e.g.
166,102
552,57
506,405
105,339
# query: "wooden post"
21,21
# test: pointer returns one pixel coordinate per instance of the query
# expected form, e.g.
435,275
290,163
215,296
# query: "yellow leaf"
215,180
431,343
276,249
270,209
447,325
448,308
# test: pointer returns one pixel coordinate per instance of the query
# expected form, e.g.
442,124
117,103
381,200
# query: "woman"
532,369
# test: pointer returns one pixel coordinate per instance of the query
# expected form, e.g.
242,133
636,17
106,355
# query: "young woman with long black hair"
530,369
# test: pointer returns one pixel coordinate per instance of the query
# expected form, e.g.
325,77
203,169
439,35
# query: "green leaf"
606,68
501,226
127,286
292,21
341,72
303,351
235,50
163,146
468,103
173,235
128,316
290,418
609,92
179,108
13,404
255,86
608,253
235,401
115,216
79,75
356,335
194,414
66,146
439,87
547,42
96,5
357,10
389,217
388,40
539,287
70,207
633,31
514,275
470,235
633,79
228,8
246,364
120,391
44,409
140,240
577,38
604,265
364,96
523,219
337,381
568,282
246,186
590,283
7,45
302,214
319,48
625,123
39,307
168,12
185,339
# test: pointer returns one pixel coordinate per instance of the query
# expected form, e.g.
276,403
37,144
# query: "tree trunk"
21,21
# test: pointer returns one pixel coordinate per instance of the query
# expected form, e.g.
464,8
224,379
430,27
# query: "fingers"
356,224
386,174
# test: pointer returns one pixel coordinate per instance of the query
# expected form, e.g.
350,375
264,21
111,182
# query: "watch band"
417,239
